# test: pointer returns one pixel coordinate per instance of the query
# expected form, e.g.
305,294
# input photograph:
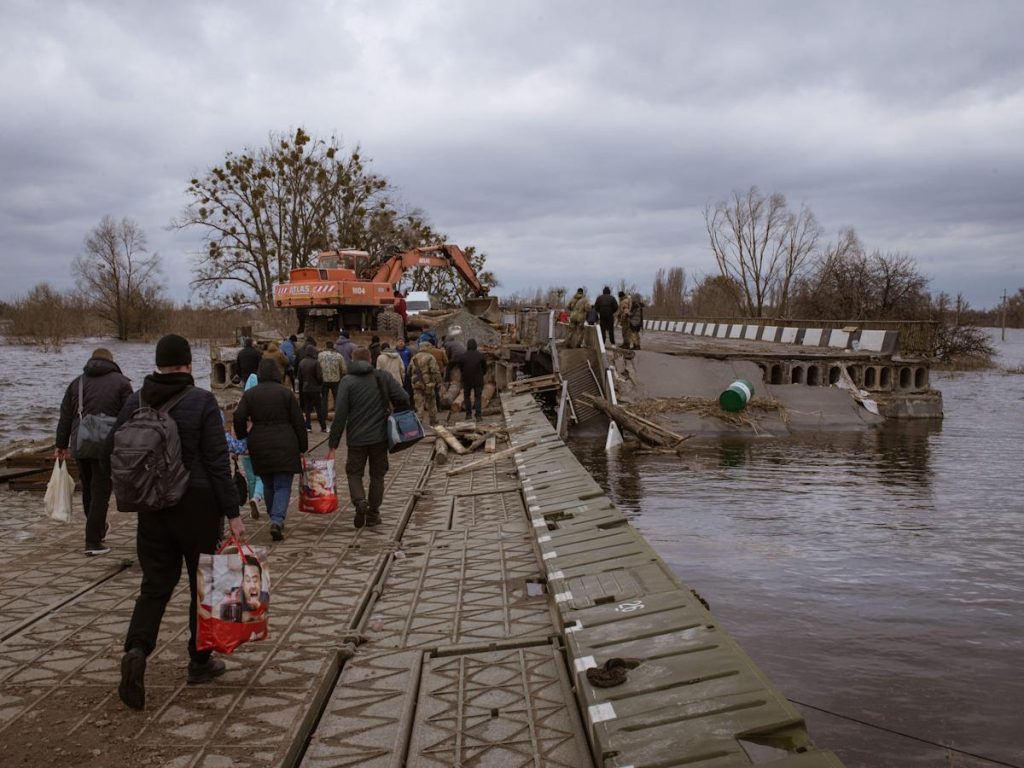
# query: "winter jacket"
288,350
248,361
204,449
374,353
578,306
636,312
332,366
277,438
455,349
309,376
606,305
274,353
424,371
438,354
104,390
406,355
625,307
359,411
391,362
473,366
345,347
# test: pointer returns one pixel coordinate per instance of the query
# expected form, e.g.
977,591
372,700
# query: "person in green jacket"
365,397
578,306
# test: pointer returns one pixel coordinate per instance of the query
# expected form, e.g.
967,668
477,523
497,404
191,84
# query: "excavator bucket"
484,307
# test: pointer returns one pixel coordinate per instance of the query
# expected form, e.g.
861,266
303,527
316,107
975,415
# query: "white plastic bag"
58,493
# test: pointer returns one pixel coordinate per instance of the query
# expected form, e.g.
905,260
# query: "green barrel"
736,397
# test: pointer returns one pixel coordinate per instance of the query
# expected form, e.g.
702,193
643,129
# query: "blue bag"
404,427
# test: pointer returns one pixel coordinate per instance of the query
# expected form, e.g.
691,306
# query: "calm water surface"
879,576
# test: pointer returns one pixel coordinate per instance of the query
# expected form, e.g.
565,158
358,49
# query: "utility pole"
1003,335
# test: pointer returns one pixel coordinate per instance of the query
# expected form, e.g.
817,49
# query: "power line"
907,735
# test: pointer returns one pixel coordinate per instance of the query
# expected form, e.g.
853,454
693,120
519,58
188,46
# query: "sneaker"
205,672
360,517
372,518
93,550
254,510
132,689
276,532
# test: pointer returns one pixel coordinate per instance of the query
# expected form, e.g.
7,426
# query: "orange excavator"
336,293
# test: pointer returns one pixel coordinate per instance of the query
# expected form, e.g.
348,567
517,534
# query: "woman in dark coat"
277,439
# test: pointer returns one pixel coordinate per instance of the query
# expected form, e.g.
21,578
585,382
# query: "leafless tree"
761,245
116,276
668,296
716,296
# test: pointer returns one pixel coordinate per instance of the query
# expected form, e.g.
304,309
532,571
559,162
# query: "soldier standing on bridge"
625,305
425,376
606,306
578,306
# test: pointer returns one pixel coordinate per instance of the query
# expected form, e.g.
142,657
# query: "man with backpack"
365,399
636,320
91,402
169,462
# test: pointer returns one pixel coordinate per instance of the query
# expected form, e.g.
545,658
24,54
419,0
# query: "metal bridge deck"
459,633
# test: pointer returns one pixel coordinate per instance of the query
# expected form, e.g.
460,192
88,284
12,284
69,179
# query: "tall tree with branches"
761,245
116,276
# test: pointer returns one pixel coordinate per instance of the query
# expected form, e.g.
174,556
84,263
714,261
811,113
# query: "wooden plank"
452,440
490,459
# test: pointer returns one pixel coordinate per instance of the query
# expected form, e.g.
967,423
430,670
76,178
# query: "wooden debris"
490,443
490,459
450,439
536,384
440,452
648,432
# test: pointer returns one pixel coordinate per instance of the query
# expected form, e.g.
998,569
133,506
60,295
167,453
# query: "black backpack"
146,469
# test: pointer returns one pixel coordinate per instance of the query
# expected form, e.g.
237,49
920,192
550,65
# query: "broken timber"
550,381
491,458
647,431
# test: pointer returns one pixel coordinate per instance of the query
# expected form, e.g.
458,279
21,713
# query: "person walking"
289,349
277,440
344,345
454,348
402,309
578,306
425,378
248,360
311,385
102,390
403,351
374,350
362,415
192,526
606,306
254,481
391,362
332,368
274,353
625,306
636,320
473,366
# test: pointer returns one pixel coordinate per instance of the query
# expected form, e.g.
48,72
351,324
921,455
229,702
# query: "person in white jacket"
389,360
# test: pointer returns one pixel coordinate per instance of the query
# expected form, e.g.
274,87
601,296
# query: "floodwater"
876,576
32,381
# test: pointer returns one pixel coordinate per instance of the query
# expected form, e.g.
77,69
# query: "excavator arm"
443,256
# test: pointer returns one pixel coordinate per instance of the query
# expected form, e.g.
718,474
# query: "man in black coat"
311,382
191,527
473,366
364,400
248,360
104,390
606,306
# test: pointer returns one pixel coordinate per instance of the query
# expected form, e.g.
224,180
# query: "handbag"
317,493
232,597
241,484
93,429
404,427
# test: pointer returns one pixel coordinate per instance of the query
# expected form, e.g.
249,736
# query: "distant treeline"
49,317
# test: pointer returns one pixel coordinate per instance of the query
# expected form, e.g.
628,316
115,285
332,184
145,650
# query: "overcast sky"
573,142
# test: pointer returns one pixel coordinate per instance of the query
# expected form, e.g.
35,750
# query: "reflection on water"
876,575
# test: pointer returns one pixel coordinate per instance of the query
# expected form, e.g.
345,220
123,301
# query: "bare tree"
116,276
761,245
669,293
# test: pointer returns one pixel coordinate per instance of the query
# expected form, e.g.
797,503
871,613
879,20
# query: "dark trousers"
473,389
608,329
329,394
95,499
313,401
164,539
377,454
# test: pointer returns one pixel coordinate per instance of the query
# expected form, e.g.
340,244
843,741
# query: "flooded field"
876,576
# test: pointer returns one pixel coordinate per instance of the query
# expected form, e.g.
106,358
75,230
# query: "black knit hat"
173,350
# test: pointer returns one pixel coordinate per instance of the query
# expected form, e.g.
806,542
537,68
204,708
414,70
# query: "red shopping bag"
316,492
232,597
